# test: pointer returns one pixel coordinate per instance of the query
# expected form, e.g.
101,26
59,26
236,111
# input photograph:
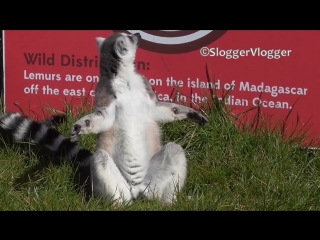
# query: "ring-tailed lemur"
130,159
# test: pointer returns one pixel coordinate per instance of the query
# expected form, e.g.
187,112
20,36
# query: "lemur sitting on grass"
130,159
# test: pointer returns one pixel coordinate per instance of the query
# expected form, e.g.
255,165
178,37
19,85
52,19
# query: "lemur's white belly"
132,140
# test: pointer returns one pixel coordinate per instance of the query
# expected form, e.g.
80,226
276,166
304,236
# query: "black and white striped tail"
22,128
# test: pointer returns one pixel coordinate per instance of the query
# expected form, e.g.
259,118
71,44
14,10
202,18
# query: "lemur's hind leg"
166,174
106,179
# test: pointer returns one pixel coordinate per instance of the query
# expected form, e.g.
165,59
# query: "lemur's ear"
99,40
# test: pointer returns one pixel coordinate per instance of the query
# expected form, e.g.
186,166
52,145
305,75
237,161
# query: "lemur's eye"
175,110
131,38
99,112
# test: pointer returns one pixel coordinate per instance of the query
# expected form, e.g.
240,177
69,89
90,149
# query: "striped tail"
22,128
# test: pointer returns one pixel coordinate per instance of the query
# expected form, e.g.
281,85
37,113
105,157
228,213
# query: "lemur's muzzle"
138,35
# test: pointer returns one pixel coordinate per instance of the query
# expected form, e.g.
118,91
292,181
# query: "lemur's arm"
98,121
168,112
104,115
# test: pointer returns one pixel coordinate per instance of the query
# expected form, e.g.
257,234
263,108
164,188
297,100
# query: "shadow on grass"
44,156
45,159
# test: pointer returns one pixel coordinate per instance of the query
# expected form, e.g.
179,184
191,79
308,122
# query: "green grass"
228,170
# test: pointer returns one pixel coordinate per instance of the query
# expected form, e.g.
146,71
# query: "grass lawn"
228,170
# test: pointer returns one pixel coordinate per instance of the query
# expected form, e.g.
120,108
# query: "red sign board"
273,69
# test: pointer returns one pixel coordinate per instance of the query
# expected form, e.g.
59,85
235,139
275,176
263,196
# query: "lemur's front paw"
79,128
75,136
198,118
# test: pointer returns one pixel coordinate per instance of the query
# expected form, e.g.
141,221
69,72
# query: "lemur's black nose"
138,35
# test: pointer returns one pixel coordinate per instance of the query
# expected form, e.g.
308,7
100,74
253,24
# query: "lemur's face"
121,46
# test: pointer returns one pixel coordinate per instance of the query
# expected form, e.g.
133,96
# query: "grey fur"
104,93
161,169
150,90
